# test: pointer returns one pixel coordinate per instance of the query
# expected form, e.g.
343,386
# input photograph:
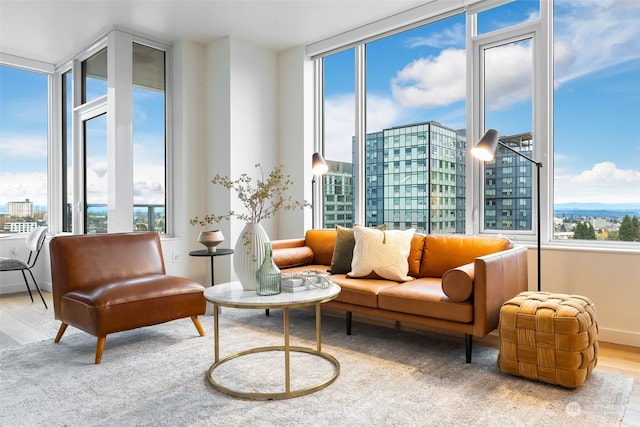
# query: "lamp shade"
318,165
485,149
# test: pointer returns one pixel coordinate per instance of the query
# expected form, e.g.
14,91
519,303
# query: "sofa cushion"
424,297
415,256
384,253
343,250
442,252
321,242
363,292
457,283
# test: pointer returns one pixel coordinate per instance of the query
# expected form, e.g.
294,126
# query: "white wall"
295,118
611,279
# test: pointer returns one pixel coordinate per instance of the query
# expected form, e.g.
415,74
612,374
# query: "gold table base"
282,395
286,348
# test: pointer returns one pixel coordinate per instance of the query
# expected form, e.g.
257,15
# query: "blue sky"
23,141
418,76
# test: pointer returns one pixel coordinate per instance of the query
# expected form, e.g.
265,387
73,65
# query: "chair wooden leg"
100,348
198,325
63,327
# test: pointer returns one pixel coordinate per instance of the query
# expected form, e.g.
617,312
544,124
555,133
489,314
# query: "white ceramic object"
211,239
248,254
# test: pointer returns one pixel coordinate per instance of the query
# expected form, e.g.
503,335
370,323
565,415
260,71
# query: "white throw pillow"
384,253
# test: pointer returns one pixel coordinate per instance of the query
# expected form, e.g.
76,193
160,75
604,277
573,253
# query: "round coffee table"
232,295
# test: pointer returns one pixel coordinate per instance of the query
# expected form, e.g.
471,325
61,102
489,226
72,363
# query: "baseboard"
12,288
616,336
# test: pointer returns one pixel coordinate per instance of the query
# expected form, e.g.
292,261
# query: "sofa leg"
349,316
468,344
63,327
100,348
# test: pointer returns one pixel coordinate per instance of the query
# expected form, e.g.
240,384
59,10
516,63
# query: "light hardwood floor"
21,323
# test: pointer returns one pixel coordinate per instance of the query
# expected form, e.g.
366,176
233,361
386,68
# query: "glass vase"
268,275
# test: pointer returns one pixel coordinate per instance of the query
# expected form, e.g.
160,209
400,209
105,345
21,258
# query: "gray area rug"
156,376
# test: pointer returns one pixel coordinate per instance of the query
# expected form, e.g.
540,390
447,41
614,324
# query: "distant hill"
597,209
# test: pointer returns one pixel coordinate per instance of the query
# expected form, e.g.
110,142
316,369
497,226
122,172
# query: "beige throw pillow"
343,250
384,253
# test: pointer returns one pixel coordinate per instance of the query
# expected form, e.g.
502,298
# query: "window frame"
118,105
49,70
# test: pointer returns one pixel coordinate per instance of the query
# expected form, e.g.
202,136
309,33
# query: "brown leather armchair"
109,283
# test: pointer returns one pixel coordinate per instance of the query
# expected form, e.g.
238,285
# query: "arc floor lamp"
318,168
485,150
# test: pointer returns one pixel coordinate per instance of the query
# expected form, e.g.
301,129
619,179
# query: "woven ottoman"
549,337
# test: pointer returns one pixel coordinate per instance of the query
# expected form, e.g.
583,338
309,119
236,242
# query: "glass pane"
415,144
508,106
94,76
339,128
148,138
67,152
596,110
23,149
96,184
507,15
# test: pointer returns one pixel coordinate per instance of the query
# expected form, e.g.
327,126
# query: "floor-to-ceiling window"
24,120
338,130
596,157
393,100
113,144
572,112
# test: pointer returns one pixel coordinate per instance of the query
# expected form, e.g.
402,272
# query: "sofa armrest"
291,253
498,277
457,283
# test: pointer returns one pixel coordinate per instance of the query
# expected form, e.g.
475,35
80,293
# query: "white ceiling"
54,30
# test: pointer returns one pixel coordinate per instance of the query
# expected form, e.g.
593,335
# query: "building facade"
508,186
414,178
338,195
20,209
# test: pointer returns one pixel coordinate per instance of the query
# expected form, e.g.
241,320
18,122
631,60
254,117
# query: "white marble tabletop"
232,294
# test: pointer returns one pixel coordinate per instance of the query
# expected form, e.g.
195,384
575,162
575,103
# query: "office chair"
35,242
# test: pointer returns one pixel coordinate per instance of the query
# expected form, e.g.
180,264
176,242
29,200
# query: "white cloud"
431,82
594,35
14,187
452,36
603,183
24,146
148,184
340,123
509,71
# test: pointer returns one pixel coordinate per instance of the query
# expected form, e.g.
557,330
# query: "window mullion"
120,132
360,135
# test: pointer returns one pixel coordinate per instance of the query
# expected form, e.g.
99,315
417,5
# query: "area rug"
156,376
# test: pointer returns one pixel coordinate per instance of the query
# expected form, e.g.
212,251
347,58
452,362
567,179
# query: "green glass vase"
268,275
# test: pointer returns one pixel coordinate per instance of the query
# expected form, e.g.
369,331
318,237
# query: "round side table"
211,255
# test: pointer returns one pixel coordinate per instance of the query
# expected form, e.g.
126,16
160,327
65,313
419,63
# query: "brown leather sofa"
109,283
460,281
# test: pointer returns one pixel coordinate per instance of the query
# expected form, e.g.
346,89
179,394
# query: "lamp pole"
538,166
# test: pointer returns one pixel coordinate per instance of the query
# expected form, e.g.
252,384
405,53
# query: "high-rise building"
508,186
20,209
415,178
338,194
